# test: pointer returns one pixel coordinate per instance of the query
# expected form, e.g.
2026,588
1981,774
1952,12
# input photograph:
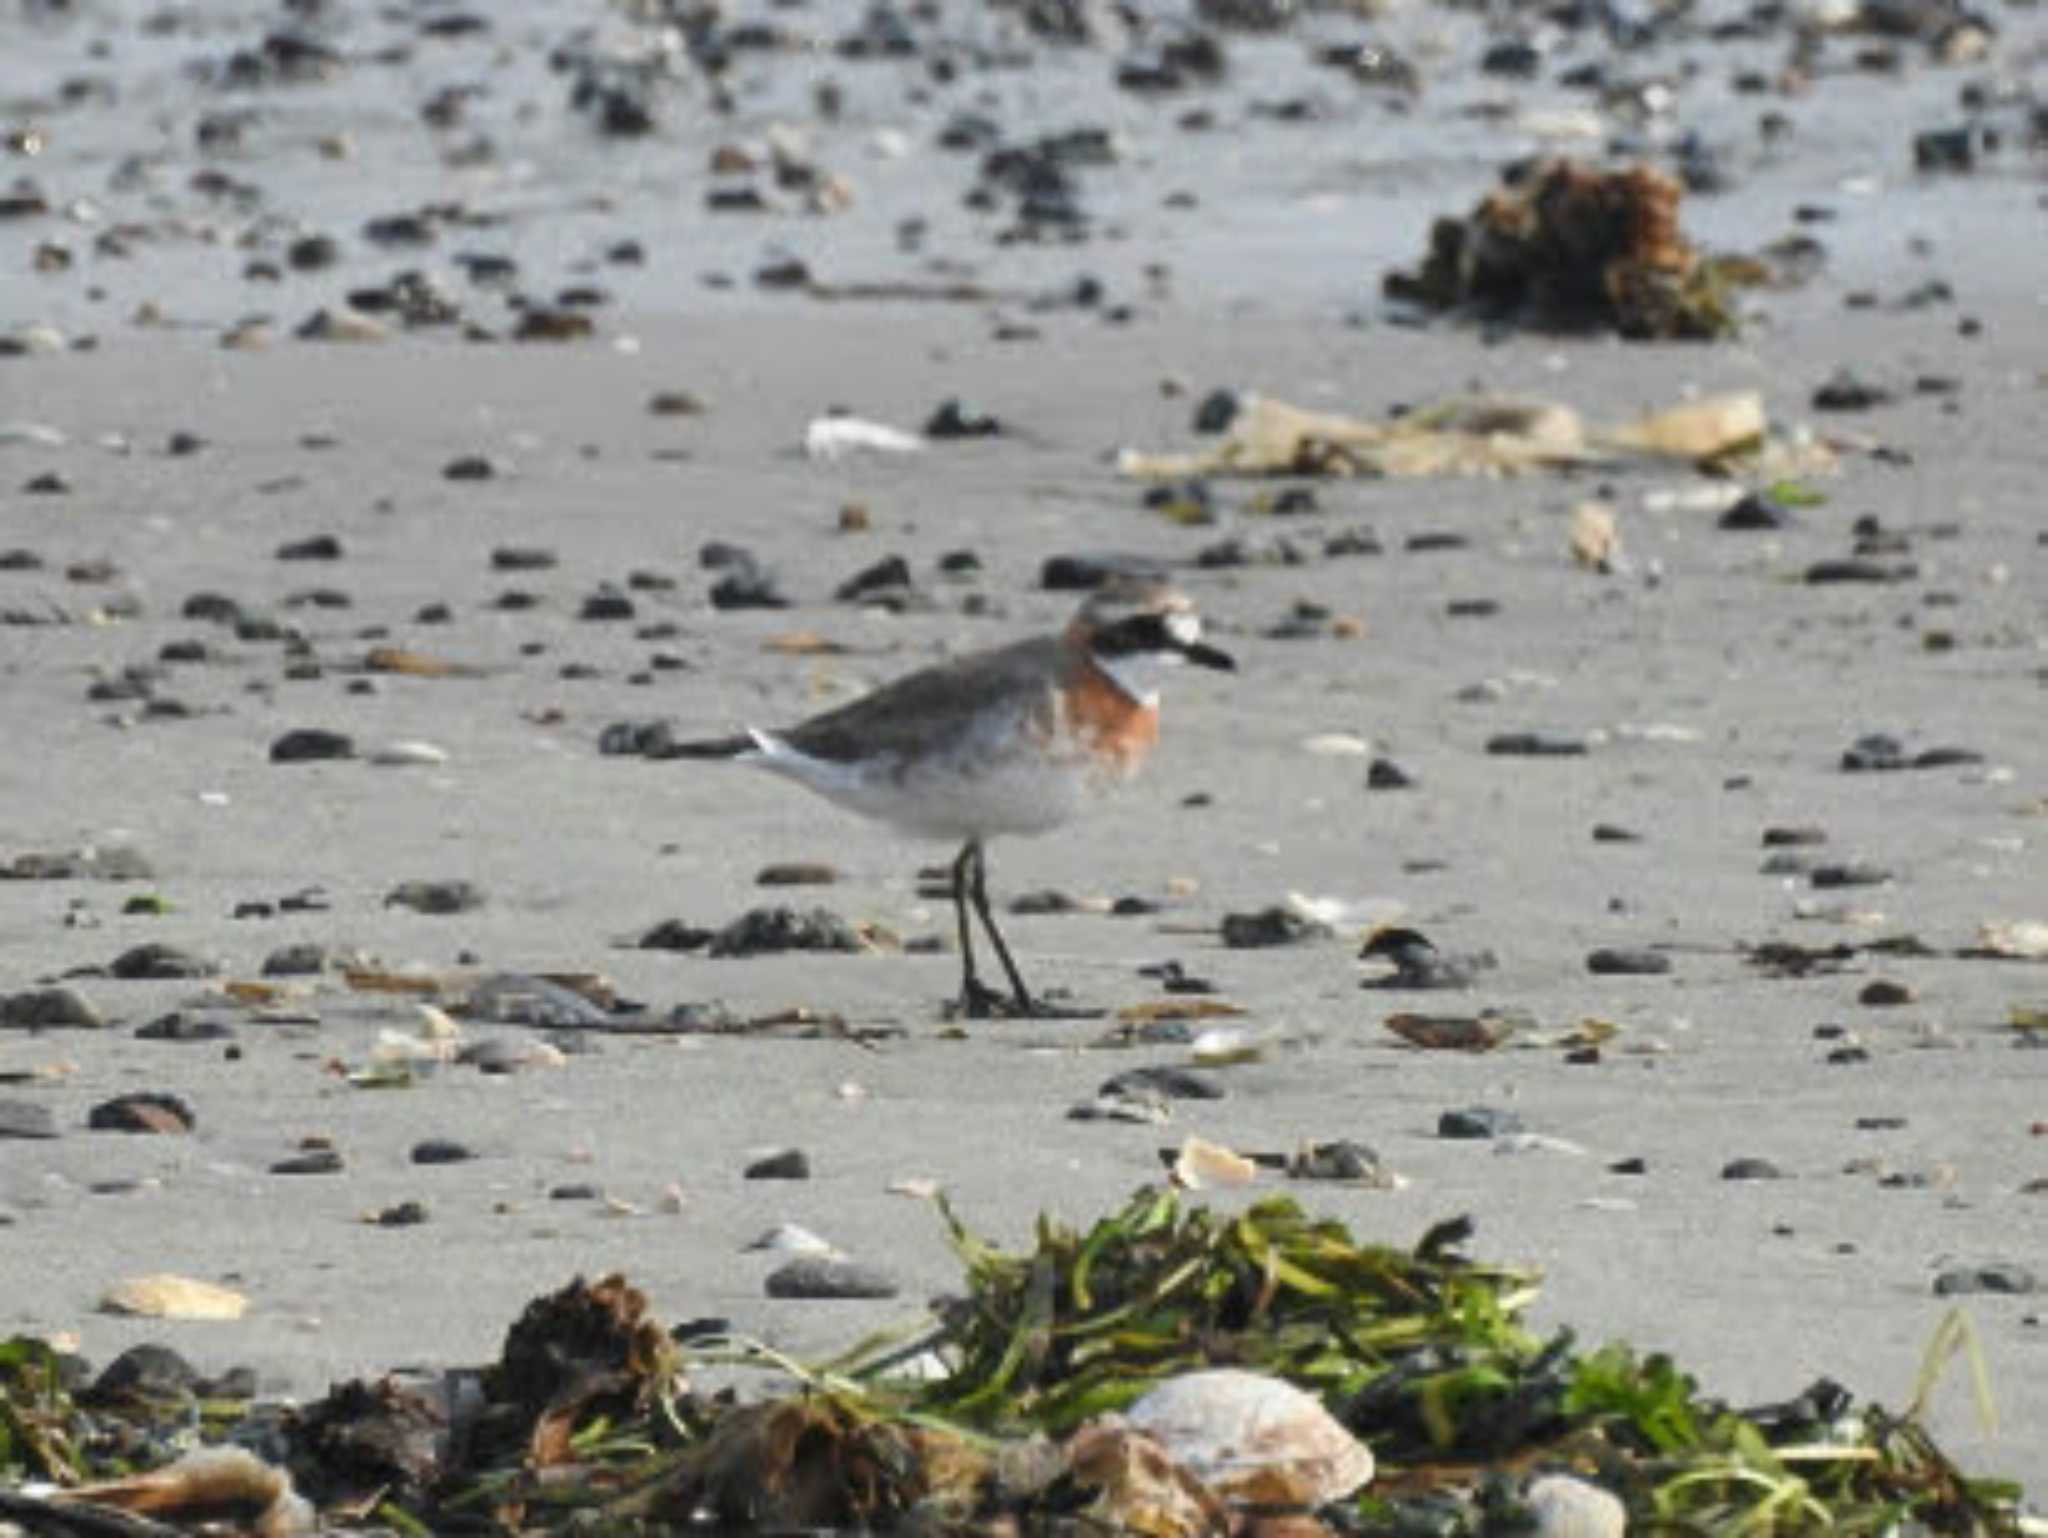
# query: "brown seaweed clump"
1563,246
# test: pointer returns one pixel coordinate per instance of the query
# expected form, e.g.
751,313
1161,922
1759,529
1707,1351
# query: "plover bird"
1018,739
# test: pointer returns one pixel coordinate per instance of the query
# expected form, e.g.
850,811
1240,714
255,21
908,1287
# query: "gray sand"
1759,1287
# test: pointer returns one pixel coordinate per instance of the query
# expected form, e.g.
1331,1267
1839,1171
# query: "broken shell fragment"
1565,1507
1206,1166
164,1296
1254,1438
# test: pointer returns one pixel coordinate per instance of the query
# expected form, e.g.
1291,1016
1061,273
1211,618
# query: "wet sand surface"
1714,690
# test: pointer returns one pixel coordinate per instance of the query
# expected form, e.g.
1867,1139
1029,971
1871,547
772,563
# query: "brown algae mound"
1174,1370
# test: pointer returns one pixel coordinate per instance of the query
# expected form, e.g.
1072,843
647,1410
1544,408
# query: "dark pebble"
436,897
142,1111
315,1161
747,586
886,577
44,1008
1635,1164
763,931
1614,833
1756,511
1478,1121
147,1371
1216,411
310,745
573,1191
1999,1276
26,1118
1783,836
955,420
796,873
308,959
1843,391
1385,774
517,998
1534,745
820,1276
1269,926
160,961
1161,1079
320,547
440,1150
469,467
406,1214
1751,1169
607,603
1627,961
1341,1160
783,1164
1085,573
676,935
1858,569
522,558
1850,873
1883,993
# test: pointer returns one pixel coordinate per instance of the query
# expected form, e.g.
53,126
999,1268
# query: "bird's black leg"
978,890
977,999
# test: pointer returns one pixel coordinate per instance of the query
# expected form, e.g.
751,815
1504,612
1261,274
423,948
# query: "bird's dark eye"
1139,633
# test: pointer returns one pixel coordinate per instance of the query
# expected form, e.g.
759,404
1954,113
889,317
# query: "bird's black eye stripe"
1138,633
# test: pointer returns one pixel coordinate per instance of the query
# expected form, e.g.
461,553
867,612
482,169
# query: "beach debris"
590,1349
215,1485
770,930
1406,958
1205,1166
1595,536
1455,1033
830,438
1253,1438
164,1295
829,1276
146,1111
1565,247
1476,436
2013,939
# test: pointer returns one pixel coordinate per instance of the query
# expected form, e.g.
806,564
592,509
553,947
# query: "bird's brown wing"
934,706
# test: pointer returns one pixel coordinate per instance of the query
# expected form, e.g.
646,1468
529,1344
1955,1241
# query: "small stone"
1755,512
1614,833
1270,926
1851,873
148,1371
796,873
1162,1080
1627,961
1843,391
1385,774
1751,1169
1534,745
314,1161
307,959
179,1026
821,1276
469,467
1997,1277
160,961
49,1008
1216,411
1085,573
405,1214
763,931
320,547
1883,993
676,403
1794,836
607,603
1857,569
142,1111
954,420
676,935
310,745
1478,1122
440,1150
26,1119
1340,1160
435,897
783,1164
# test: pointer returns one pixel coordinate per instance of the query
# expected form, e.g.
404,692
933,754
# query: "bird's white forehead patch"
1184,625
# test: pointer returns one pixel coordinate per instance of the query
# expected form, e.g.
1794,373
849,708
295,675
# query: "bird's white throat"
1138,675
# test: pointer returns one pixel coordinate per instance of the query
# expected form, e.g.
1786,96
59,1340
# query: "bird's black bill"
1202,654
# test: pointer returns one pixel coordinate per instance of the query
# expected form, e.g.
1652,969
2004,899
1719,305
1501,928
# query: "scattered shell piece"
1701,429
1206,1166
1595,539
1337,745
830,438
2025,939
1225,1045
1565,1507
162,1295
1254,1438
793,1239
399,755
921,1187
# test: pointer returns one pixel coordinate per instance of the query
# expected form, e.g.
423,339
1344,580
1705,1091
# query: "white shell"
1244,1433
1565,1507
